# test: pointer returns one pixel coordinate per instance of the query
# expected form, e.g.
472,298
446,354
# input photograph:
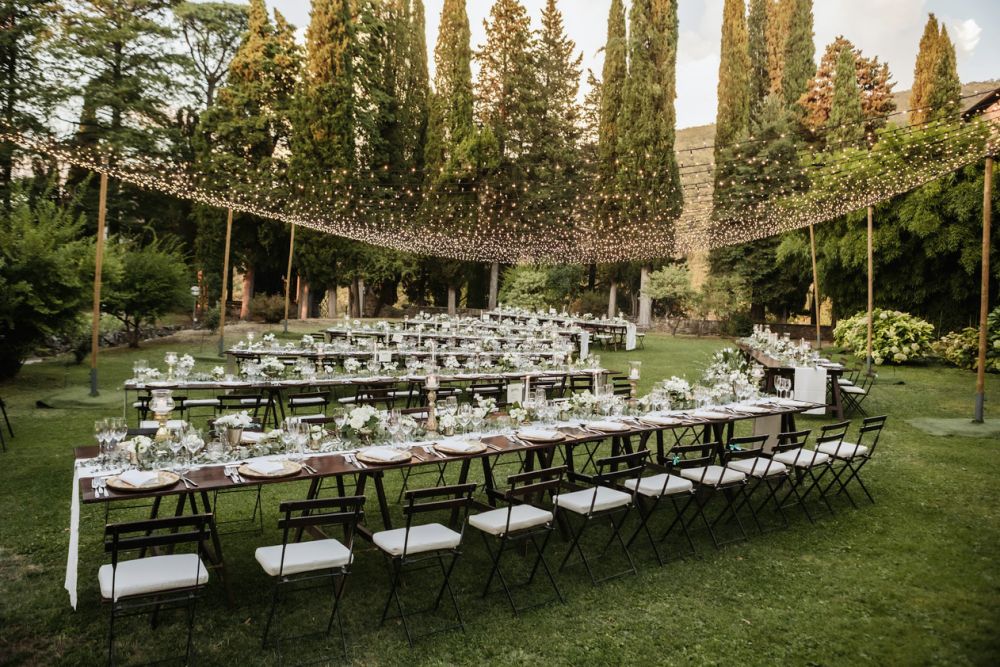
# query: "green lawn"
911,580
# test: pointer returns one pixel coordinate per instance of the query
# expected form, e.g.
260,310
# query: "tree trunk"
613,299
245,312
331,302
352,298
452,300
592,277
305,301
494,284
645,302
361,297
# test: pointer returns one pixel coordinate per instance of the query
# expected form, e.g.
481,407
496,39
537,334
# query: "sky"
889,29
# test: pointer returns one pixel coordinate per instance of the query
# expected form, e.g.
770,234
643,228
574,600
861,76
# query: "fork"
103,484
96,486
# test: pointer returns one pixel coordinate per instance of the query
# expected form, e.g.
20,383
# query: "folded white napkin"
539,434
460,446
381,454
711,414
253,436
266,467
660,421
139,478
752,409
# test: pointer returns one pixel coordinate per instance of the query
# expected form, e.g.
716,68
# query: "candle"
432,381
633,374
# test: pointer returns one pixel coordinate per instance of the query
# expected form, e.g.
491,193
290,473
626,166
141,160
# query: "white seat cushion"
156,574
252,401
494,522
713,475
653,486
310,400
318,415
759,467
801,458
844,382
852,389
428,537
843,450
202,403
602,498
303,557
171,423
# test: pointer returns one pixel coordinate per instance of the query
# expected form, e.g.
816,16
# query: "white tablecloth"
584,344
630,338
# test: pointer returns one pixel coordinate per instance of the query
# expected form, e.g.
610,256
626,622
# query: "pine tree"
414,85
946,89
924,71
507,87
799,66
613,80
873,80
846,123
557,131
732,118
760,70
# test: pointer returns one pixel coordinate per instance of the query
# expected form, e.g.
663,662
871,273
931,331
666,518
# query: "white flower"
518,415
267,338
448,421
235,420
218,372
351,364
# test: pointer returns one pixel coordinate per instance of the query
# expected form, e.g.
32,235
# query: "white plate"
609,427
540,435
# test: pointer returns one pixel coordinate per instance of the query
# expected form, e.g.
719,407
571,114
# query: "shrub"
268,307
43,280
525,287
961,348
210,318
80,334
593,302
896,337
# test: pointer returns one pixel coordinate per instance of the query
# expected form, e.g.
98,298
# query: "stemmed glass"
117,430
451,404
175,448
101,434
193,441
394,425
464,417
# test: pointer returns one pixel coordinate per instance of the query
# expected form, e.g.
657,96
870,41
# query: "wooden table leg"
216,555
383,503
837,408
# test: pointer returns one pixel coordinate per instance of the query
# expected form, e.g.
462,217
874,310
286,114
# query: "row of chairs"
744,473
855,388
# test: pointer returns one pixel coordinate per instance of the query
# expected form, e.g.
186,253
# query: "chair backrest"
871,430
345,511
376,394
453,498
580,383
791,441
620,385
531,486
251,402
554,385
692,456
150,534
623,466
830,431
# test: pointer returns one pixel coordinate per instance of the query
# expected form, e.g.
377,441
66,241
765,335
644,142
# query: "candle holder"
633,382
432,387
161,404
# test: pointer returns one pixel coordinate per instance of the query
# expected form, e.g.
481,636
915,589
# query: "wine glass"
193,441
175,448
101,435
118,430
464,417
451,404
394,425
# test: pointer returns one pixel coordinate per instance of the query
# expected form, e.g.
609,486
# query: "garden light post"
984,299
225,285
871,291
812,243
288,275
102,213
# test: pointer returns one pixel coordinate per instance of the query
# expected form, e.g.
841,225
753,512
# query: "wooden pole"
225,285
871,288
984,298
95,332
288,275
812,243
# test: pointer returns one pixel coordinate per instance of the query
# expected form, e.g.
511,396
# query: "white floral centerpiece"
363,423
351,365
307,342
268,339
451,362
234,424
678,390
272,367
518,415
218,372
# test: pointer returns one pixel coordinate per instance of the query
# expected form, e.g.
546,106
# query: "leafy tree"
732,119
872,79
153,280
525,286
671,290
760,66
799,51
41,269
212,32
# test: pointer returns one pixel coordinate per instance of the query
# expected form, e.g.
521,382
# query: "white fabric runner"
584,344
769,426
810,385
630,337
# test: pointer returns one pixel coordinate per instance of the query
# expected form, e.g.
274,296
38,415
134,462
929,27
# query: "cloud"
966,35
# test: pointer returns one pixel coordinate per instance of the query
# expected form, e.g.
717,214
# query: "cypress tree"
451,109
414,85
923,72
778,16
846,128
612,89
732,117
760,70
799,65
946,90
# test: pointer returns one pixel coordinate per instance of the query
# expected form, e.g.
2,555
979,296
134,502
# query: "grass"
911,580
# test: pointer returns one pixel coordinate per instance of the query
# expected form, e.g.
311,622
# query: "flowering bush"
961,348
896,337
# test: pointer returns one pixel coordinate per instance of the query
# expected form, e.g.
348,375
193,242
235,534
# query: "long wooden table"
336,467
774,368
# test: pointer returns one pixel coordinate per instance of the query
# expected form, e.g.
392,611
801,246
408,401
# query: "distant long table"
774,368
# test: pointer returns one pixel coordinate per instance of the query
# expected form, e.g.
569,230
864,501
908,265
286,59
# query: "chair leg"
192,601
111,636
270,614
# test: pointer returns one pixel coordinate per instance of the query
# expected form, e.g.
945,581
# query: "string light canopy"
582,221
